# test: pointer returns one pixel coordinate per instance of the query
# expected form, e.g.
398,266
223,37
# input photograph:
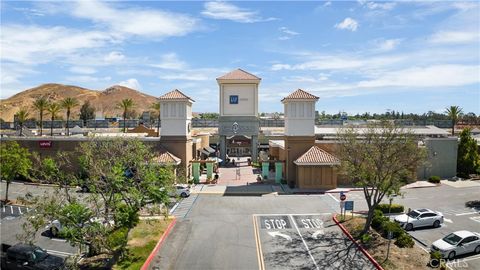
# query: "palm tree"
69,103
22,116
41,105
53,109
125,105
156,107
453,112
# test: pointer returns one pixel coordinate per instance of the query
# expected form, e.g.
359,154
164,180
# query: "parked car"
420,218
23,256
55,227
180,190
458,243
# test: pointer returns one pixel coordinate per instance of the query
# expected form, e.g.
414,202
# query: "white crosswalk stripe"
477,219
184,206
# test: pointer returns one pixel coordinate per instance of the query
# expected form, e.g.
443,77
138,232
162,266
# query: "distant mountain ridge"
104,101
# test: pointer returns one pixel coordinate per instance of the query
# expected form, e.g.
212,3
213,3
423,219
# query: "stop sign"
343,197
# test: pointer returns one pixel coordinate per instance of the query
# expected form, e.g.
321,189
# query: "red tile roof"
300,94
317,156
165,157
175,94
238,74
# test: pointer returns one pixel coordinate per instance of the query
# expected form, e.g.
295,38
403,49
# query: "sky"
357,56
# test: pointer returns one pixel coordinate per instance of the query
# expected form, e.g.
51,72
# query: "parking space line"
60,253
305,243
11,209
20,210
261,263
466,213
3,209
333,197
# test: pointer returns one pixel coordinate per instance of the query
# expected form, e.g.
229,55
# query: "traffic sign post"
343,197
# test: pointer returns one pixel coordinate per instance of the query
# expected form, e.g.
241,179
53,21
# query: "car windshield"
39,254
452,239
413,214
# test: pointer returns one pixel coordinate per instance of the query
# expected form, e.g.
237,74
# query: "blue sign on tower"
234,99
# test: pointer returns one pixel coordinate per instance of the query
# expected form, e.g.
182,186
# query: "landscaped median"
144,241
403,253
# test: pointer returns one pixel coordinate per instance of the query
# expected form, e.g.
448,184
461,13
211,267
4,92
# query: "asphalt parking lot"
228,232
11,226
304,241
446,199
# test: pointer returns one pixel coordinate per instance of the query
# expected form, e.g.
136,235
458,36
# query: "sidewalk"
250,189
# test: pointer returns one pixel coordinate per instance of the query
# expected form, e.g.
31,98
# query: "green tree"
22,117
53,109
87,112
468,160
156,106
68,104
379,160
41,104
15,162
453,113
126,105
123,178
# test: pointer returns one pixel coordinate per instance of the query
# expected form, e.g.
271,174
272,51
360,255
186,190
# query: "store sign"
45,144
234,99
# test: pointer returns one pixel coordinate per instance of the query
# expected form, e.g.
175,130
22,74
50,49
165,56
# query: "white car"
180,190
457,243
56,226
420,218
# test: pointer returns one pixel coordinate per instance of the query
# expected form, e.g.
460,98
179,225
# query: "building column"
223,148
254,151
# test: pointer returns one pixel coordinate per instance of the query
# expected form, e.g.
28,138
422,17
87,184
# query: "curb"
419,241
146,265
370,258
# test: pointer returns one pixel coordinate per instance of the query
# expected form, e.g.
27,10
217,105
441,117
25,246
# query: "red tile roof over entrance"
317,156
300,94
165,157
175,94
238,74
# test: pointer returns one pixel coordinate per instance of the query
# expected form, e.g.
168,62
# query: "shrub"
366,239
117,239
392,226
378,219
435,259
434,179
405,240
396,208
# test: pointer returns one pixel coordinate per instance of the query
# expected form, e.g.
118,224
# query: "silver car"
420,218
457,243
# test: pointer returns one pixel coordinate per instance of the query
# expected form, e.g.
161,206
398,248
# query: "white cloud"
347,24
82,70
87,79
430,76
328,3
170,61
114,57
35,44
445,37
384,6
136,21
227,11
131,83
286,33
387,45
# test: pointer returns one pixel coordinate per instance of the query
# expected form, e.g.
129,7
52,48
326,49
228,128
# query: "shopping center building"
300,154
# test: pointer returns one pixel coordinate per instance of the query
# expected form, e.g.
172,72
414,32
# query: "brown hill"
103,101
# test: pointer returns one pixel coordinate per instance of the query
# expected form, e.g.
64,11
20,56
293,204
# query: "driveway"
229,232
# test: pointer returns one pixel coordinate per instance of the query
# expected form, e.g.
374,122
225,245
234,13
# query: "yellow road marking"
261,263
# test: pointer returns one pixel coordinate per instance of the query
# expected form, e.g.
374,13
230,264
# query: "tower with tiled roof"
299,110
176,127
238,108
